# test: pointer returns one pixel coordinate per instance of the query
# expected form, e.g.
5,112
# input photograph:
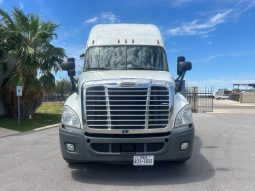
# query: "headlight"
184,117
70,118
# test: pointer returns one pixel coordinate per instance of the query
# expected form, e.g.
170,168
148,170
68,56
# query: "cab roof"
125,34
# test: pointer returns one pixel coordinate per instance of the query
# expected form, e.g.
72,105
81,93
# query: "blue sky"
217,36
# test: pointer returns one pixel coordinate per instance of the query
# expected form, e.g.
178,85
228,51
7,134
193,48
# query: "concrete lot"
229,106
223,159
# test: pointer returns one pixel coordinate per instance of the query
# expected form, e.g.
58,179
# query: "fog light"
70,147
184,146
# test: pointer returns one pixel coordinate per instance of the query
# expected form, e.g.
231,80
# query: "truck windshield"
125,58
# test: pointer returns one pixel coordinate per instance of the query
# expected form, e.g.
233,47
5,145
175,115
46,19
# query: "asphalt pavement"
223,159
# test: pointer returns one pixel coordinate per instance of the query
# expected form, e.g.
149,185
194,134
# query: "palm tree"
27,39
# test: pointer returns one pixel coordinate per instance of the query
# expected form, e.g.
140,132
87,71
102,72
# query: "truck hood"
125,74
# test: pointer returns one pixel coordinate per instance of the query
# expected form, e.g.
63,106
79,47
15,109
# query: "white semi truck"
126,106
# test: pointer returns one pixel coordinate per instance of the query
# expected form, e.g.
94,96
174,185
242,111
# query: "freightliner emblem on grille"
127,84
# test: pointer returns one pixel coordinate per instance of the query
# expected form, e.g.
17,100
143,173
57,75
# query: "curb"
46,127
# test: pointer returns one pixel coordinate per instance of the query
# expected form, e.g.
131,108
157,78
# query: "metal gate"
201,102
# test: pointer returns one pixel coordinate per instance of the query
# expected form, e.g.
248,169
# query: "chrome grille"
127,108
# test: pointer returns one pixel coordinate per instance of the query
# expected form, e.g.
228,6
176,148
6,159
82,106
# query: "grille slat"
124,96
128,125
129,120
127,108
132,110
128,91
127,105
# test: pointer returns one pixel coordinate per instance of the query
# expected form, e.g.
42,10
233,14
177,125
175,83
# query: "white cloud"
109,17
242,7
246,4
197,27
236,9
91,20
105,17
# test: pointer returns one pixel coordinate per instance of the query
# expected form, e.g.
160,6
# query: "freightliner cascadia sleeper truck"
126,106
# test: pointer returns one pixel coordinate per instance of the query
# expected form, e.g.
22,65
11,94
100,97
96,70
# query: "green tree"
63,87
27,39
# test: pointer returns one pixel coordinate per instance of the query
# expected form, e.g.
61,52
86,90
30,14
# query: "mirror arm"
180,79
73,81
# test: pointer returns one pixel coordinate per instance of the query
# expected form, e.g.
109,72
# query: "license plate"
140,160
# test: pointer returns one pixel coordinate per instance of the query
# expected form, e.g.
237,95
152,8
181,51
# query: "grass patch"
47,114
50,107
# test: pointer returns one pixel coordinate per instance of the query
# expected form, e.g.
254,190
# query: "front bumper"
84,152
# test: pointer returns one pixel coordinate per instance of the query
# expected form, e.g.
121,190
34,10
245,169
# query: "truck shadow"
197,169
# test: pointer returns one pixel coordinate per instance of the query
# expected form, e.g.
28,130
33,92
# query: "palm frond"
6,19
21,21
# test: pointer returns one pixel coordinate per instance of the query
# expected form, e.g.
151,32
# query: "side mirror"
69,66
182,65
82,55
